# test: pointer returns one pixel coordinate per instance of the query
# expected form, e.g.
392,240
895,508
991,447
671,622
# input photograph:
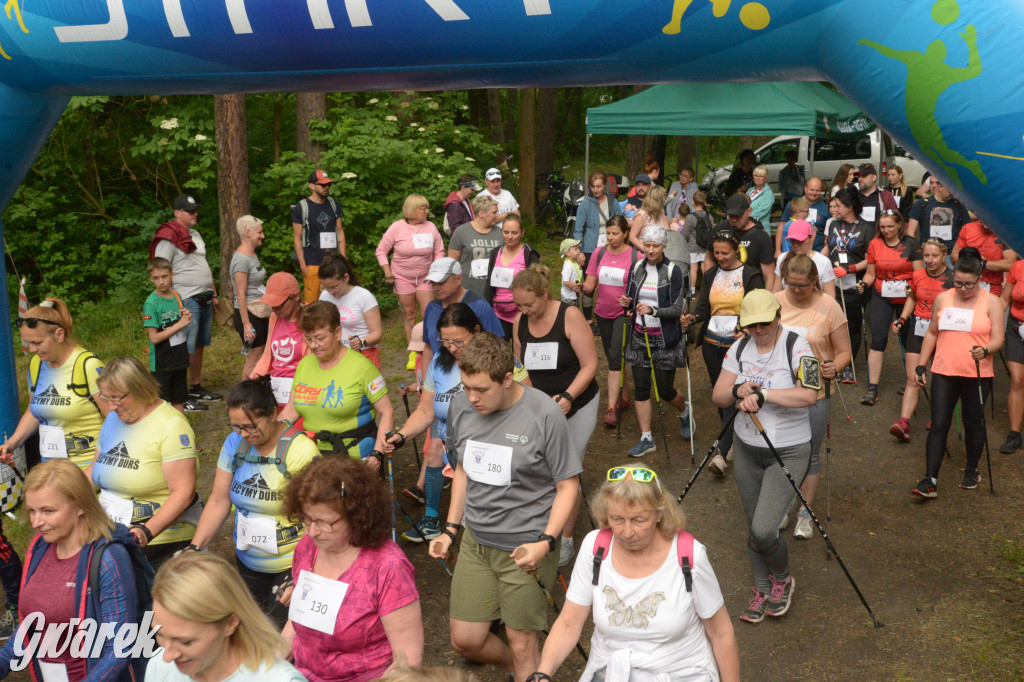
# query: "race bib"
502,277
51,442
328,240
956,319
282,388
541,356
921,326
985,286
611,277
602,240
812,215
118,509
258,532
723,325
488,464
53,672
843,257
177,338
423,241
749,433
944,232
848,282
316,601
652,322
868,214
478,268
894,288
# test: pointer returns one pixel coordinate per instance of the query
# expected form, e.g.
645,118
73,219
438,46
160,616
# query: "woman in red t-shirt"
925,285
998,258
1013,296
892,258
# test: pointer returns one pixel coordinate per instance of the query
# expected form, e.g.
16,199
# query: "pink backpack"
684,547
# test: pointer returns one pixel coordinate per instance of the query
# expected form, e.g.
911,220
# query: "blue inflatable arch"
938,75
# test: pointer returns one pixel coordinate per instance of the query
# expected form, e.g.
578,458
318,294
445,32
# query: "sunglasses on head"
33,322
639,474
890,211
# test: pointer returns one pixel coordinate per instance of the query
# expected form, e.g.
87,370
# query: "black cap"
867,169
737,205
186,203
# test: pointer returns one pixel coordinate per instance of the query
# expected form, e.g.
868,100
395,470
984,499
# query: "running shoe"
687,424
428,528
193,405
8,624
926,488
624,404
611,417
847,376
871,397
803,529
780,597
1013,443
410,364
971,479
644,447
565,551
901,430
754,613
718,465
197,392
414,492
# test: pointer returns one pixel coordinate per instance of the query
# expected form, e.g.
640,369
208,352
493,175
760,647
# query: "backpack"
705,230
684,548
283,443
143,570
791,339
603,249
304,205
79,375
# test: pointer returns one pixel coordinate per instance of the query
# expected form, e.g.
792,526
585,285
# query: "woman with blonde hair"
251,318
210,627
652,212
899,190
680,628
74,532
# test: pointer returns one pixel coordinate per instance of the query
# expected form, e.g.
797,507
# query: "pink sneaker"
901,430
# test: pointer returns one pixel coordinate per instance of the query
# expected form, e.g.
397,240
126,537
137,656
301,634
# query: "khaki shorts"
489,585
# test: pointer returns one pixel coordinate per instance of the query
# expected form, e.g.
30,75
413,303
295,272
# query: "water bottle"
247,345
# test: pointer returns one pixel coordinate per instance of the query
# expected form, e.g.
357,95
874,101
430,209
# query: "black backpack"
705,230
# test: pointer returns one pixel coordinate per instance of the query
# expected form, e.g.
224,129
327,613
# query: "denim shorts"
199,332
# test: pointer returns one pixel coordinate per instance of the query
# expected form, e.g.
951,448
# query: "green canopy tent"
792,108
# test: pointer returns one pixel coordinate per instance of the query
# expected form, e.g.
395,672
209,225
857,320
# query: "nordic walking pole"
416,529
408,415
689,398
711,451
984,426
828,459
839,389
391,487
654,384
551,600
817,523
622,370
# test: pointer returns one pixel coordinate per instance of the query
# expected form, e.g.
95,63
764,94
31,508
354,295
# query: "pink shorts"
406,285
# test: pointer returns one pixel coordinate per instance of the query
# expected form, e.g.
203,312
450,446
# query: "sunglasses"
33,322
759,324
640,474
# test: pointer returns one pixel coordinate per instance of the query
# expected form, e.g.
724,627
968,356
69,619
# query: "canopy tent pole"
696,158
586,160
810,157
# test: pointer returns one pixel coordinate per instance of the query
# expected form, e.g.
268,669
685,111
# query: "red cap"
320,177
280,286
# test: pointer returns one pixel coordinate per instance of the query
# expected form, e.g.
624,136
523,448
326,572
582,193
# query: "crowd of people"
510,395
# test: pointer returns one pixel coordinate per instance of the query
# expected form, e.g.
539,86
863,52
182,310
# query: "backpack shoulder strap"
600,255
240,451
95,560
684,549
791,340
601,546
740,347
34,365
304,207
283,443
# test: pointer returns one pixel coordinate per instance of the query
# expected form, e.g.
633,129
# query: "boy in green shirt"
165,319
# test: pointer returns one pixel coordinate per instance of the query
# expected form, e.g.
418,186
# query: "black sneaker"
414,492
925,489
780,597
193,405
199,393
754,613
8,624
871,397
1013,443
428,529
971,479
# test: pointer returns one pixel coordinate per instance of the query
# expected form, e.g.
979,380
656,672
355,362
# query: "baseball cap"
799,230
492,174
320,177
416,340
472,183
442,269
737,204
867,169
280,286
642,177
186,203
566,244
759,305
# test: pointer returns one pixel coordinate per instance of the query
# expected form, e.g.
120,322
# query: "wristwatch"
548,539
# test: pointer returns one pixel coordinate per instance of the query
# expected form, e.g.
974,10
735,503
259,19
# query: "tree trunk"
527,165
686,152
655,147
494,116
477,108
509,114
309,106
545,142
232,177
278,119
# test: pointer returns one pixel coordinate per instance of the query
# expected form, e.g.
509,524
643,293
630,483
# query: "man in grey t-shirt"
472,243
515,486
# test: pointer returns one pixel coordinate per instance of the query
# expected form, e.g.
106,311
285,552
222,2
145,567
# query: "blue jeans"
199,331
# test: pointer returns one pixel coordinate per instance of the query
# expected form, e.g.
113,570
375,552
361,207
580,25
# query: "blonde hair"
70,481
760,170
534,279
57,311
799,204
412,202
246,223
800,264
633,493
204,588
941,245
482,202
131,375
654,203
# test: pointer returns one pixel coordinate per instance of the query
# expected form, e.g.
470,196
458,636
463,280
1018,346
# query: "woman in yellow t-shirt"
258,458
820,320
62,383
146,464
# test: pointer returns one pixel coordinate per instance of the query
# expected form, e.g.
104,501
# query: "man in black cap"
641,185
756,247
875,198
316,226
179,242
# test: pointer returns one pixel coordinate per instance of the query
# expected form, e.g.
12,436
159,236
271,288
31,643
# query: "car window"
842,150
776,153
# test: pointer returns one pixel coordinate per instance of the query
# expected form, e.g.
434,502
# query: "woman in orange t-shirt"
1013,296
997,257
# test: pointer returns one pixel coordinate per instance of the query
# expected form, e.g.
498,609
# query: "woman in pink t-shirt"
607,272
416,244
354,608
507,261
285,346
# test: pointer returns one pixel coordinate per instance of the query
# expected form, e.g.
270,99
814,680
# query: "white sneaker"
717,465
565,552
728,455
804,529
785,522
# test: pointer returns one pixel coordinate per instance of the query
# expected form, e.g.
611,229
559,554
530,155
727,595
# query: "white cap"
492,173
443,268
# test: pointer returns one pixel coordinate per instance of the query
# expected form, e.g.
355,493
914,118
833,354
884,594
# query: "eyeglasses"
249,429
33,322
115,400
423,208
316,341
454,343
966,286
319,524
799,287
639,474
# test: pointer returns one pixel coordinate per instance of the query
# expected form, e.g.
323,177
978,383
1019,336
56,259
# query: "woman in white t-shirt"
760,375
649,623
801,241
361,328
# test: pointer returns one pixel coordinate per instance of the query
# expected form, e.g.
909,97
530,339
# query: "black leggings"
260,586
713,358
880,316
946,391
854,315
642,383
